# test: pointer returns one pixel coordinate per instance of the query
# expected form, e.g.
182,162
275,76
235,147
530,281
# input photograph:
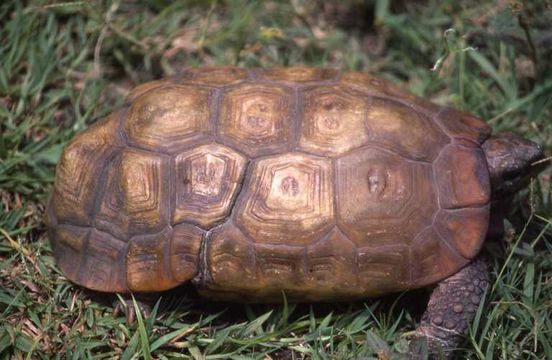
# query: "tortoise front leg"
450,310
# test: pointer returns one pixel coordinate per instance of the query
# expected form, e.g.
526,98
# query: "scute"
256,118
384,269
136,194
288,199
141,89
146,267
465,229
207,179
77,180
102,265
279,267
215,75
169,118
462,125
331,266
462,177
297,74
433,259
68,244
333,120
164,260
184,251
231,261
374,85
383,198
399,128
382,88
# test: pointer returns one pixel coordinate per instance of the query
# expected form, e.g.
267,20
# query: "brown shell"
253,182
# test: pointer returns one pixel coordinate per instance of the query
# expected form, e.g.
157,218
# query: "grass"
62,65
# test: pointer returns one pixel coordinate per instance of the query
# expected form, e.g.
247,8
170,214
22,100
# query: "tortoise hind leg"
450,310
125,305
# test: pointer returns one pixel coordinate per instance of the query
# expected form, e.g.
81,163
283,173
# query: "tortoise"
324,185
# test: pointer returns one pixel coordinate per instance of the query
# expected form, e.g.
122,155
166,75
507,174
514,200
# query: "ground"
65,64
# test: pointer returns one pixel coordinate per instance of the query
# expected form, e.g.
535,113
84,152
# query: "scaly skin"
450,310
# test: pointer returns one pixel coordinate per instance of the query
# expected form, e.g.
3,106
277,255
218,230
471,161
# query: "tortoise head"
512,160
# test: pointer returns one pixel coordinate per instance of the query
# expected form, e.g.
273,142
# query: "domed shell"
251,182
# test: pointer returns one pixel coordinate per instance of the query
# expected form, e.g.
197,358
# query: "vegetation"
64,64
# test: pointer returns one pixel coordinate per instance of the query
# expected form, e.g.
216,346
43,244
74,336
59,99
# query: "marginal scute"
465,229
49,217
169,118
462,177
298,74
215,75
141,89
288,199
379,87
68,243
382,198
231,259
331,264
399,128
136,195
279,267
463,125
71,236
102,267
146,264
333,120
77,173
432,258
257,118
184,251
383,269
207,179
375,86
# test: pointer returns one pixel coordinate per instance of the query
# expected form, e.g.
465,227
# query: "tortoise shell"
324,185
